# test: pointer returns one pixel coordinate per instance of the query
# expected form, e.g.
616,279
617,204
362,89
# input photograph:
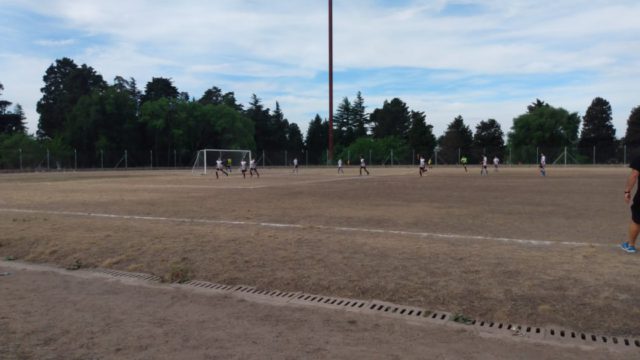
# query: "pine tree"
632,136
457,140
598,131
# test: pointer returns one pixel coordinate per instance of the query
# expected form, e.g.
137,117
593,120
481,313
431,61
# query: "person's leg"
634,230
216,174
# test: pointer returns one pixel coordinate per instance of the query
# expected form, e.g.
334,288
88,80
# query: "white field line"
223,185
297,226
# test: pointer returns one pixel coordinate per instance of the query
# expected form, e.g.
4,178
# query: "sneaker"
628,248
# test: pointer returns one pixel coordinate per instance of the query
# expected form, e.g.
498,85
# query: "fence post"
75,159
151,159
458,156
436,162
306,155
263,158
370,157
537,156
391,157
175,159
20,156
594,154
565,156
48,160
126,160
413,157
624,156
285,158
348,156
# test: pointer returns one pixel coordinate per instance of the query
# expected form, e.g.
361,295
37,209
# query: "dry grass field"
511,246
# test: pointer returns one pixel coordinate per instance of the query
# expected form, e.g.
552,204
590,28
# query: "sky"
479,59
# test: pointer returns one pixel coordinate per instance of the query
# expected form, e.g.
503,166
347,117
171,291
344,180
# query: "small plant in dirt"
179,272
460,318
9,258
75,265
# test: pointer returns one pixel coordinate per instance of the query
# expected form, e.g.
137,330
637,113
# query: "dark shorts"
635,212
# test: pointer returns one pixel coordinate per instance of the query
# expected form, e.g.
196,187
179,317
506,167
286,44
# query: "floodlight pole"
330,155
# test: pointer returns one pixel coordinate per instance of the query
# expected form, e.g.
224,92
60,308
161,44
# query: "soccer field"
511,247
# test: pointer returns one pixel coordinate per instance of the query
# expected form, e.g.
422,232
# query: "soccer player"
463,161
634,226
430,163
496,161
219,168
363,166
423,168
295,165
484,166
253,167
229,164
340,171
243,168
543,165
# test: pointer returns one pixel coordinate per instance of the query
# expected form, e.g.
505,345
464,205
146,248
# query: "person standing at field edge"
484,166
363,166
340,171
634,225
423,165
463,161
543,165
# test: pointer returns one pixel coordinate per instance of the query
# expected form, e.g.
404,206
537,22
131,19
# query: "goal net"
206,159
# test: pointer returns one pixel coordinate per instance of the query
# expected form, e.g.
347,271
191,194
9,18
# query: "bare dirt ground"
449,241
53,314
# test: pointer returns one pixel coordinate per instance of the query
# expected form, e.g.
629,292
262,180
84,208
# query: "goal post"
206,159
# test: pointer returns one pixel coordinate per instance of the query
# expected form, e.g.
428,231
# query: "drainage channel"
408,313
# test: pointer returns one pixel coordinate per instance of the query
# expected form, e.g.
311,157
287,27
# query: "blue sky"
479,59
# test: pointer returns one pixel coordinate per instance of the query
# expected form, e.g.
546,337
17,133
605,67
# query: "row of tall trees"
90,115
80,110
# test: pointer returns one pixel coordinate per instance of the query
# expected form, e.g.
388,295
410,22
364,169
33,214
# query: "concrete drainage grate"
591,339
208,285
126,274
329,302
409,313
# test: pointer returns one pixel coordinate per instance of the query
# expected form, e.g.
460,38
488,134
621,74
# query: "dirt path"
56,314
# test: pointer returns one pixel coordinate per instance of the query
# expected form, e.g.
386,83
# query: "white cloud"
55,43
278,50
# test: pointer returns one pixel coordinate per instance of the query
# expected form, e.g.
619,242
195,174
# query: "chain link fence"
43,159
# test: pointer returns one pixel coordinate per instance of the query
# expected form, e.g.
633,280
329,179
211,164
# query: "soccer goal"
206,159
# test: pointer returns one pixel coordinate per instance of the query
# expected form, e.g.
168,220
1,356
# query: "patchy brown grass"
587,288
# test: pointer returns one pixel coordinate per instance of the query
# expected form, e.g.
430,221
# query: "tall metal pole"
330,155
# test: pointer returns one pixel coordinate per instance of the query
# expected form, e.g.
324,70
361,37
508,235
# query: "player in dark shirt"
634,225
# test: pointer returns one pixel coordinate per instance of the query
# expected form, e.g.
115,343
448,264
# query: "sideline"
321,227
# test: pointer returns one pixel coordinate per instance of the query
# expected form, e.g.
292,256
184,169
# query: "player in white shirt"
340,171
253,167
295,165
363,166
423,165
496,162
543,165
484,166
219,168
243,168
